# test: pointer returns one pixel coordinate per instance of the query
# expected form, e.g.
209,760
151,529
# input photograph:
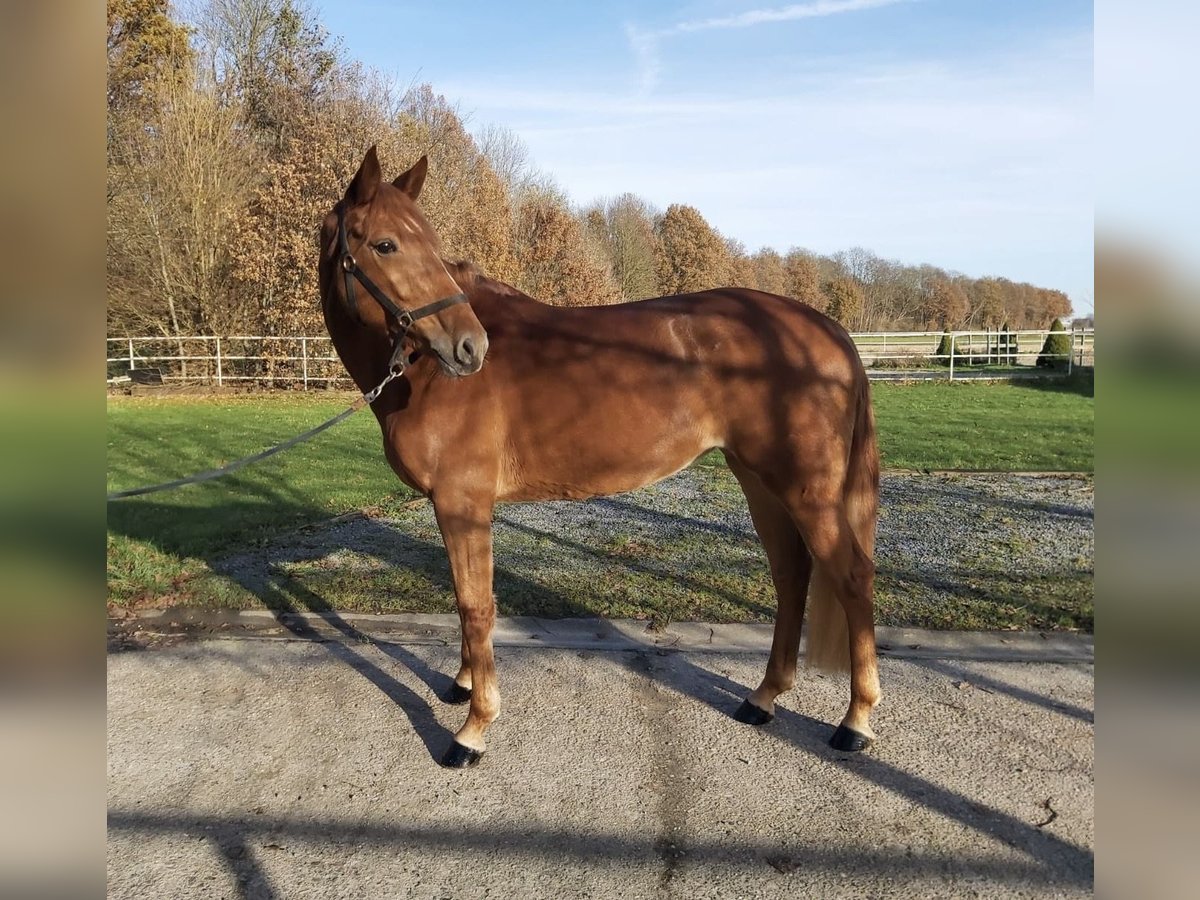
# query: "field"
181,547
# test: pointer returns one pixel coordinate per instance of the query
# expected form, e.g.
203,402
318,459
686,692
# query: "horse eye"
385,247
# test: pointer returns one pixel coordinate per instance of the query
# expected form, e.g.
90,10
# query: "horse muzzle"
461,354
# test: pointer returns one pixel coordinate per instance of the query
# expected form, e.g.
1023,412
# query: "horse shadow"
286,596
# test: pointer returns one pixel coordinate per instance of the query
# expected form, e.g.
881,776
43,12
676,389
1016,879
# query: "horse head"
377,242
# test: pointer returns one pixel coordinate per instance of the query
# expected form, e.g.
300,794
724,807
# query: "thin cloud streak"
817,10
645,42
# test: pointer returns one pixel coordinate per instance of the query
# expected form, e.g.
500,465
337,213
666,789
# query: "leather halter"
405,318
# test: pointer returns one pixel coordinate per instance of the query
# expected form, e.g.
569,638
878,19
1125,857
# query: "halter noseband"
405,318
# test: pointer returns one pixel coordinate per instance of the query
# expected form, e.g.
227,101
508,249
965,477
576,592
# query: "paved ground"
287,767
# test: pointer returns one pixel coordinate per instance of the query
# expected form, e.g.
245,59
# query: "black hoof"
460,757
457,694
752,715
849,740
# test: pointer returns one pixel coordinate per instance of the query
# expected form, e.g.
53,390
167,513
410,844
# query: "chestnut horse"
582,402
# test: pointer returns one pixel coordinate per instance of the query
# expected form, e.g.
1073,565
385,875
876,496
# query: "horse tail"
828,644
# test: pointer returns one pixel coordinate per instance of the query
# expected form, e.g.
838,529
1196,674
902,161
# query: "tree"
271,58
144,47
987,303
508,156
1056,350
845,301
944,348
691,255
190,172
464,199
769,274
945,304
624,229
741,267
557,265
803,279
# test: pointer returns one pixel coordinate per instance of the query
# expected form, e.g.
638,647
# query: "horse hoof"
460,757
849,740
457,694
752,715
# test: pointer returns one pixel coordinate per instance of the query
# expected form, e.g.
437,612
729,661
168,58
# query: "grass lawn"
161,548
1021,427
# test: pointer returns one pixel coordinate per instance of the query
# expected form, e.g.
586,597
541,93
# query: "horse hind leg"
791,568
837,638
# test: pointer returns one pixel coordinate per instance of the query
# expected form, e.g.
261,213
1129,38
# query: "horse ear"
366,180
412,180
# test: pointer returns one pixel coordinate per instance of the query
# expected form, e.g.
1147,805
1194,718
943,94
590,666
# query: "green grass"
163,548
1029,426
159,545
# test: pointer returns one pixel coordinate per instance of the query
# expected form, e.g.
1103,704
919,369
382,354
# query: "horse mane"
464,272
468,276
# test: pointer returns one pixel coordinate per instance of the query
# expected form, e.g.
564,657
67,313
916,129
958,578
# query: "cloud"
645,49
815,10
645,43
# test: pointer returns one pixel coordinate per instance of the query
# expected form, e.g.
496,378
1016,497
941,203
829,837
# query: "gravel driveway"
967,551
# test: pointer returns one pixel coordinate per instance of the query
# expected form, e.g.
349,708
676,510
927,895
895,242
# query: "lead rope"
394,372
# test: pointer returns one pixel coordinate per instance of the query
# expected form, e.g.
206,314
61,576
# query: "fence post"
304,358
131,360
952,343
1071,354
220,380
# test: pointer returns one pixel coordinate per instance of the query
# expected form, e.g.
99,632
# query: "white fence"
971,354
310,362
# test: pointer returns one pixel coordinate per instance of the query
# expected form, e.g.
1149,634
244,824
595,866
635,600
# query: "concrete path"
299,762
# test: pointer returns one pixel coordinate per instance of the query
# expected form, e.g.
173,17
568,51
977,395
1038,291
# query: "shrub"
943,350
1056,349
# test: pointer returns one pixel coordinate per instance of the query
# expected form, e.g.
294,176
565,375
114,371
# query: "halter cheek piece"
405,318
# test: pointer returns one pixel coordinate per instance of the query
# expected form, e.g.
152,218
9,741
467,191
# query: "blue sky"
955,132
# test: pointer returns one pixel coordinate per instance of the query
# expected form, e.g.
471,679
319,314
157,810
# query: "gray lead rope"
365,400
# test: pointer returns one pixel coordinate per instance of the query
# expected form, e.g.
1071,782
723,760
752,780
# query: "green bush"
942,357
1056,349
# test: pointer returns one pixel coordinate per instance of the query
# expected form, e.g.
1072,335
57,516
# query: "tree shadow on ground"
1081,381
1052,860
1059,860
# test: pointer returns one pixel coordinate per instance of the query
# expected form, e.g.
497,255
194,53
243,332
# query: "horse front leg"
466,527
460,690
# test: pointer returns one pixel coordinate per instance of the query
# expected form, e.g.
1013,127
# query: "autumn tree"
557,265
466,201
845,300
802,279
691,255
769,273
945,305
741,266
987,303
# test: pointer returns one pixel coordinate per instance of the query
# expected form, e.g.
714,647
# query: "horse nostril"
466,351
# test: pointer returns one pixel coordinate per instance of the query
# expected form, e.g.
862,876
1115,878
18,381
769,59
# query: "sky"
953,132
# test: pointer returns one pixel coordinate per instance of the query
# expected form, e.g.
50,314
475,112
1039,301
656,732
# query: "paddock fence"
310,363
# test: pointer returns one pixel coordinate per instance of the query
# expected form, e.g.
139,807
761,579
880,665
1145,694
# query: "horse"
501,398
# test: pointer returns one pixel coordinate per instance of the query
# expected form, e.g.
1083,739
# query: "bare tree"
624,228
190,175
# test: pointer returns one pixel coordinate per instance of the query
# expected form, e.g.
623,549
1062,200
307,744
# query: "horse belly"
598,463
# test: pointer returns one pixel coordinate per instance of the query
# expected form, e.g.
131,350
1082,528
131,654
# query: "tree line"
230,134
